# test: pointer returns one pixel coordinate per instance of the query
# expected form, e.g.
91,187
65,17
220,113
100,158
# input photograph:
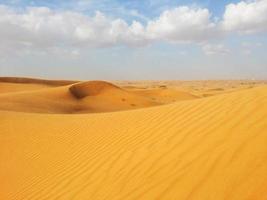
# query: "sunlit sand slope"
206,149
14,87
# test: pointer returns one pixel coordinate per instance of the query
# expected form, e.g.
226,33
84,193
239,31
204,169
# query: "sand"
202,147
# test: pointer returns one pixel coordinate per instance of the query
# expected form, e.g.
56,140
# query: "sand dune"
207,148
83,97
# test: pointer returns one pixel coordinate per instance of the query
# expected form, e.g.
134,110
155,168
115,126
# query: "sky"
134,39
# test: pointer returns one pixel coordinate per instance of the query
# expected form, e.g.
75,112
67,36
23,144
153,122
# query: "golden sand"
203,148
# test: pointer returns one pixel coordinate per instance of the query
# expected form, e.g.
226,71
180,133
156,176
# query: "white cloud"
246,17
43,29
215,49
40,28
182,24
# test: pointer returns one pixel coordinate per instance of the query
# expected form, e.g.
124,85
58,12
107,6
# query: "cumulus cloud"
41,27
182,24
246,17
44,29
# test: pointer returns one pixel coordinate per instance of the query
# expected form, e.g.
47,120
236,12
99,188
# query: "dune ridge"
91,88
208,148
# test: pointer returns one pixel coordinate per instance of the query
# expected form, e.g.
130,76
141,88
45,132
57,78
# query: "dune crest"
91,88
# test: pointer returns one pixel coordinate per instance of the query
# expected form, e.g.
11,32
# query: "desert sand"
149,140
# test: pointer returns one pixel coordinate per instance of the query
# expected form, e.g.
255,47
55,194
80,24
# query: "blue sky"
119,39
148,8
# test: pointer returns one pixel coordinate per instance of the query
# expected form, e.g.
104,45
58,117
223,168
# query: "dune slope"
14,87
211,148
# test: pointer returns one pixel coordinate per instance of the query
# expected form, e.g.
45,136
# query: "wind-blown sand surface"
204,148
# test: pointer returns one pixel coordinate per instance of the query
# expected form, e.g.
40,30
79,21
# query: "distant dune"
164,95
35,81
178,145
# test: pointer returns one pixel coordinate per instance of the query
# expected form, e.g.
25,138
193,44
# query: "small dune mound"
91,88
